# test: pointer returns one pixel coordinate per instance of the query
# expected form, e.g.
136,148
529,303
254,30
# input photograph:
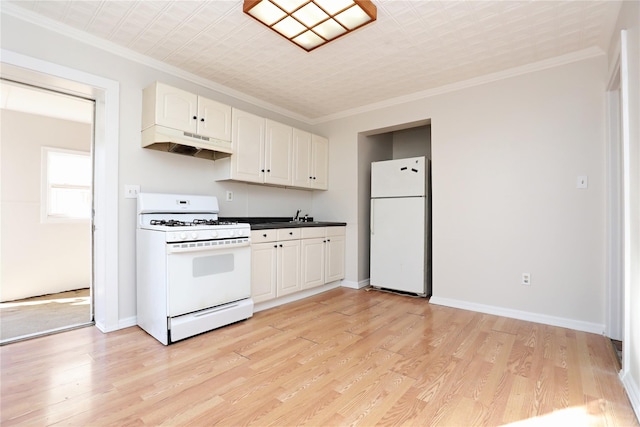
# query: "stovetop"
192,223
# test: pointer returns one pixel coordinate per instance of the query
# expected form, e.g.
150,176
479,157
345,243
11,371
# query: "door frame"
105,93
615,208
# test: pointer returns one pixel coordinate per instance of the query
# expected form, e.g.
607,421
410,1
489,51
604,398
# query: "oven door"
206,274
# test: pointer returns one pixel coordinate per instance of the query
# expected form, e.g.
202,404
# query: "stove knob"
242,232
232,232
183,236
194,235
214,234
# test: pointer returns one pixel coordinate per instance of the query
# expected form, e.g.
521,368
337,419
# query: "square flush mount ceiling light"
312,23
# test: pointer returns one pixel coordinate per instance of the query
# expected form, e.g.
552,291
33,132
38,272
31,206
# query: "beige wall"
505,158
38,258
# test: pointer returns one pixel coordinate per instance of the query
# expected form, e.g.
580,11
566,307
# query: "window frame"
46,186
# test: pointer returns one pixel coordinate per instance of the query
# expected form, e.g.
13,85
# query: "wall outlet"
582,182
526,279
229,196
131,191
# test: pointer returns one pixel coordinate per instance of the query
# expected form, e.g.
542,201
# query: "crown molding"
81,36
588,53
129,54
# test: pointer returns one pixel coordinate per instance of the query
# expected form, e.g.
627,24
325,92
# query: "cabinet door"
288,274
278,152
302,174
320,159
263,271
312,262
334,258
214,119
176,108
247,139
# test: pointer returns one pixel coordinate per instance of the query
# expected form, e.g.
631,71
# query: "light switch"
582,182
131,191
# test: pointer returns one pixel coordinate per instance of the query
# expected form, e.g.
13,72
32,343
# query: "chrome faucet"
296,218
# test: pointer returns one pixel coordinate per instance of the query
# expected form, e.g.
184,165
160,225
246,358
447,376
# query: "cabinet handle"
262,170
280,245
268,170
202,120
310,177
264,235
328,240
195,117
324,241
275,246
291,233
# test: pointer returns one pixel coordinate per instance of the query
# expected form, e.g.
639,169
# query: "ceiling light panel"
289,5
352,18
267,12
312,23
310,15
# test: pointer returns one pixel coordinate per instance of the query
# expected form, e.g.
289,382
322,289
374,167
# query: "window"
66,194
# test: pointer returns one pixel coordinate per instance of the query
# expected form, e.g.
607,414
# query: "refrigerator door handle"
371,227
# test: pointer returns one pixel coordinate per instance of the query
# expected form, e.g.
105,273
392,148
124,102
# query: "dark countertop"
264,223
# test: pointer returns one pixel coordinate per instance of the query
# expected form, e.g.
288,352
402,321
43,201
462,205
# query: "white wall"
629,20
38,258
154,171
505,159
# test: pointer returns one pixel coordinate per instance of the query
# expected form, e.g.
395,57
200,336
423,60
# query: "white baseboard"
578,325
633,391
127,322
355,285
265,305
122,323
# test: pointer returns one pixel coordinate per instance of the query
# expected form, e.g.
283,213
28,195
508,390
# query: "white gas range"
193,272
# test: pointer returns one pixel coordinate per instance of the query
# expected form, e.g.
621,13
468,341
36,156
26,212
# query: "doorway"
46,211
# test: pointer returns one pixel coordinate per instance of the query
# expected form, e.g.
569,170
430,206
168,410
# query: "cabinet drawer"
336,231
260,236
288,233
312,232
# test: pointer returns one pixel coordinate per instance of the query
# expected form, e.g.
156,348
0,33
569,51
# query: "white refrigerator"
400,226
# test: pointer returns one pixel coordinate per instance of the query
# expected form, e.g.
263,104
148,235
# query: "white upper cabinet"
269,152
310,164
302,174
214,119
184,111
320,162
174,108
278,153
247,142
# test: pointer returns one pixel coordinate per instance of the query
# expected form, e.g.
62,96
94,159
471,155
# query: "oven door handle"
207,245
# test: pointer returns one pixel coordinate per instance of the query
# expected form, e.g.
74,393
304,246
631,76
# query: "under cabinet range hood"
163,138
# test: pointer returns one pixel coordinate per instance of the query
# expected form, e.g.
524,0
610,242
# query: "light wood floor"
345,357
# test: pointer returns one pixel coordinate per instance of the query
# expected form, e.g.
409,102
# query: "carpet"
44,314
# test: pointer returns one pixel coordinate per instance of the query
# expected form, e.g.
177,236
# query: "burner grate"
168,223
193,223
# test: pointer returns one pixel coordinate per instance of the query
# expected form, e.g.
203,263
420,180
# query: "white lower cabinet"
263,271
288,260
312,260
334,254
275,263
288,270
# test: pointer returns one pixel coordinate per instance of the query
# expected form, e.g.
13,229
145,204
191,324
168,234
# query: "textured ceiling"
414,46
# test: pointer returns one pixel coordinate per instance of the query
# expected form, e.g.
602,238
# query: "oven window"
212,264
